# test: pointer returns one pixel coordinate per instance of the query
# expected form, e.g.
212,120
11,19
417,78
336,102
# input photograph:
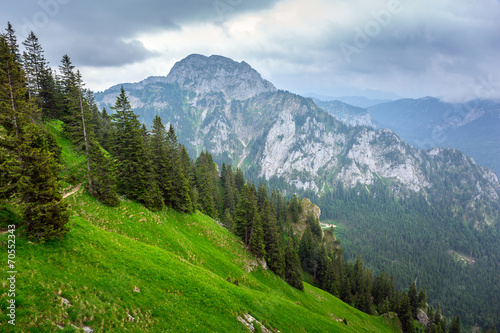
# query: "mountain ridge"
245,121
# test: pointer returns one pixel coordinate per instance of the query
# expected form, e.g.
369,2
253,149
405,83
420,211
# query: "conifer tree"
10,35
27,148
412,294
256,243
272,240
35,66
206,202
50,99
239,180
107,130
422,298
230,192
455,326
306,254
135,177
78,127
158,145
404,314
293,274
246,214
294,209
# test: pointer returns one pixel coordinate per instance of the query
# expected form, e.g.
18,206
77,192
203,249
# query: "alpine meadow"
211,200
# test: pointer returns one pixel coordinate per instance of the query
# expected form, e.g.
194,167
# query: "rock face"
204,75
348,114
422,317
227,108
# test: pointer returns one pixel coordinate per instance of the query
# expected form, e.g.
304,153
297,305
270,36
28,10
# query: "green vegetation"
167,270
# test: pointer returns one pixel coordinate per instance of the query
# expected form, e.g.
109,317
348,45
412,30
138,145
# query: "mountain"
348,114
408,209
359,101
472,127
227,108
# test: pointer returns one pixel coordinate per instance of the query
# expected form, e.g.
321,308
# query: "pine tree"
135,176
239,180
10,36
455,326
313,223
107,131
306,252
294,209
45,213
66,83
422,298
206,202
404,313
158,145
292,266
272,240
256,244
34,66
358,283
78,128
27,150
412,294
50,98
246,214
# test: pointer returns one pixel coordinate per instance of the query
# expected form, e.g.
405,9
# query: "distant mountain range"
359,101
473,128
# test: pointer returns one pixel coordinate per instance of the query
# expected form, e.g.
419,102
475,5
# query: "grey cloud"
110,52
77,23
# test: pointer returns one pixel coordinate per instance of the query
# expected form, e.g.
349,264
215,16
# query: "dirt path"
76,189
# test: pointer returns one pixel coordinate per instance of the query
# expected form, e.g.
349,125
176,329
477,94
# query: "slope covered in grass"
129,269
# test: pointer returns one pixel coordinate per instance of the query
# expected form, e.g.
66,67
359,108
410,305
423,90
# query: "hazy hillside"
473,127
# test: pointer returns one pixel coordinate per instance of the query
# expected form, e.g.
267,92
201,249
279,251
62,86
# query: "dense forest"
123,158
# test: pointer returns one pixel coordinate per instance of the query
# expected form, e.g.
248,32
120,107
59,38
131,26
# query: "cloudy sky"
407,48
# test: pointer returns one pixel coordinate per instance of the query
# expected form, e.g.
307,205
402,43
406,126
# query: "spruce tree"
272,240
28,150
256,243
306,254
135,178
246,214
293,273
10,36
422,298
294,209
107,131
404,314
45,213
206,202
35,66
455,326
412,294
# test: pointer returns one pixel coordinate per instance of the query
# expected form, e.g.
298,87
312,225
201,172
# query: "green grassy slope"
167,270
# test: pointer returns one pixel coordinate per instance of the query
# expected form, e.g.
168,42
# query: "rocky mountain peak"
202,75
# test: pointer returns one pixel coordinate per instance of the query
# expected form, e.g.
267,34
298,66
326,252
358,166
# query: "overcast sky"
442,48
